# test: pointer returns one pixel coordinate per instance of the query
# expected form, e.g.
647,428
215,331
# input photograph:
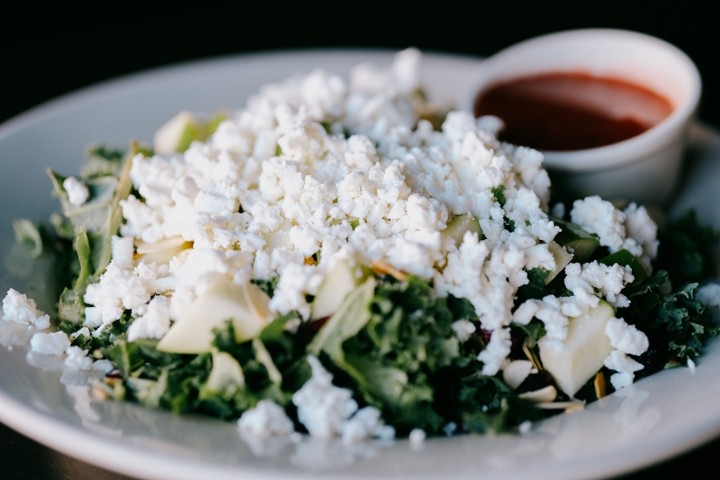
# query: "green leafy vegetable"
688,250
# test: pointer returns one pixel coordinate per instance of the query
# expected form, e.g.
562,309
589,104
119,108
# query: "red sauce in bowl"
561,111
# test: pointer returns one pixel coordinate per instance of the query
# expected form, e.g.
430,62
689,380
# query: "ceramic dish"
657,417
611,170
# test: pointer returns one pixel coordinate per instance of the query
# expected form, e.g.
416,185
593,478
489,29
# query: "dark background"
49,51
69,49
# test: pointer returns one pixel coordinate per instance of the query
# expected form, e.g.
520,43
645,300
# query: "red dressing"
561,111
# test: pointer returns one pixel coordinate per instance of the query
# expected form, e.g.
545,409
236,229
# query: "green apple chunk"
581,355
562,258
339,281
580,243
459,225
180,131
171,136
245,305
226,374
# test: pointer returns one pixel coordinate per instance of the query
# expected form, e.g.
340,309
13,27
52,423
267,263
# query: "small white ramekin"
645,168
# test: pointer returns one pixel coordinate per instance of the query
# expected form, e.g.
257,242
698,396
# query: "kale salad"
342,258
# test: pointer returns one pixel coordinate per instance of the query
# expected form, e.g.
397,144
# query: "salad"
344,258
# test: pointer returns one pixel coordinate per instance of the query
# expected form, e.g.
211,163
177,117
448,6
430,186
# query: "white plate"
659,416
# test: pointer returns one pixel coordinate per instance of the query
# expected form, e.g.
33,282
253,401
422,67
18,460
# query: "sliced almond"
600,385
384,268
516,372
544,395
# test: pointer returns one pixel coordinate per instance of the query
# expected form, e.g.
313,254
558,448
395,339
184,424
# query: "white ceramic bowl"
644,168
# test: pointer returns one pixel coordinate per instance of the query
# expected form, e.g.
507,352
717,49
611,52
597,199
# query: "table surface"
78,48
24,459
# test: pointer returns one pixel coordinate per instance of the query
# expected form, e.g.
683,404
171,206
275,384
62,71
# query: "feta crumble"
709,295
17,307
328,411
267,418
76,190
51,343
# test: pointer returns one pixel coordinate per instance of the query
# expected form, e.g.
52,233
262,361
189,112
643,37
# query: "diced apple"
458,225
245,305
226,374
163,251
170,137
562,258
581,355
180,131
544,395
340,280
515,372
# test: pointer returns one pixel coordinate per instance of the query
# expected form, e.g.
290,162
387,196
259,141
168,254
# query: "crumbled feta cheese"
525,427
709,295
322,407
78,359
76,190
450,429
50,343
632,228
83,331
600,216
641,227
624,366
626,338
621,379
267,418
496,351
417,437
122,251
153,322
296,282
118,290
103,365
606,281
328,411
463,329
611,225
17,307
366,423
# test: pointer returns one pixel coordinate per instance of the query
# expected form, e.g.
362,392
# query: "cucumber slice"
580,243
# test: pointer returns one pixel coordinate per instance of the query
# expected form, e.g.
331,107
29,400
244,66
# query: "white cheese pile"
383,194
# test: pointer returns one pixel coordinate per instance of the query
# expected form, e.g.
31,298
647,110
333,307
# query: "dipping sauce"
560,111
